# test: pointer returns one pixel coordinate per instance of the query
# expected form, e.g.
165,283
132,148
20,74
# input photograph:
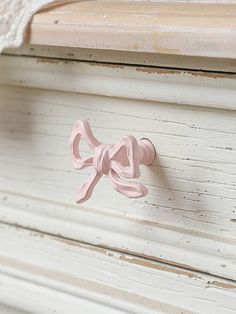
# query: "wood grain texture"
187,29
189,216
65,276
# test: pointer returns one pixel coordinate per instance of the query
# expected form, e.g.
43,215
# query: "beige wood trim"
197,29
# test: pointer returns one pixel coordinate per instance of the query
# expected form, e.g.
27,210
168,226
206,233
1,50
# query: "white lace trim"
14,18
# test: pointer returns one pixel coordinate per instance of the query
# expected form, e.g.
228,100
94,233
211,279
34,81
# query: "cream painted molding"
217,90
186,29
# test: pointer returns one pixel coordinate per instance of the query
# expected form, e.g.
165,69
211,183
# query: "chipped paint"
47,60
158,70
107,65
144,260
221,284
107,250
149,264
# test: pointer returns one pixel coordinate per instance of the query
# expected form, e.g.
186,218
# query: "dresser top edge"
180,29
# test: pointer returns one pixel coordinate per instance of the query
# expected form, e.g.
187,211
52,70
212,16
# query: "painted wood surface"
189,217
44,274
188,29
10,310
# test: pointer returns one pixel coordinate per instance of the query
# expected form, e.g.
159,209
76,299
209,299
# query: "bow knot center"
101,159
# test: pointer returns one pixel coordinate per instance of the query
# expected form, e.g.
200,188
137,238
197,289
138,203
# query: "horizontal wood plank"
186,29
64,276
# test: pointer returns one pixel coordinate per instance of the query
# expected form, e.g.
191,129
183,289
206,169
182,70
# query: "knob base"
147,152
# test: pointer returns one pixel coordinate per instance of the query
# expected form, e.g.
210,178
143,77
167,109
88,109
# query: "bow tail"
129,189
86,189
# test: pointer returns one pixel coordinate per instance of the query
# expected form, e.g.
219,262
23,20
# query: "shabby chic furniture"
160,71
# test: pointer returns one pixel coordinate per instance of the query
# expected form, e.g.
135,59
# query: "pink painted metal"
119,161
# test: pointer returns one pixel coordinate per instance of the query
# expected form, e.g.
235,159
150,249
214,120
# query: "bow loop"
129,189
82,130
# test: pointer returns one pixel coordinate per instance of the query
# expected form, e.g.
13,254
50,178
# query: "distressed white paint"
10,310
44,274
189,215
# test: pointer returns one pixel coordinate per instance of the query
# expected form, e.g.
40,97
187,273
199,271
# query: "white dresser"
160,71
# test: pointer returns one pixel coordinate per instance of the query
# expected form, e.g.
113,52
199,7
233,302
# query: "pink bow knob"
119,161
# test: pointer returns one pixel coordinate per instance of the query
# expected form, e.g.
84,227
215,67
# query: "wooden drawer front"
189,217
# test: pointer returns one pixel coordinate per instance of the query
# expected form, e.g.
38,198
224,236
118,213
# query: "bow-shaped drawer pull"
119,162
